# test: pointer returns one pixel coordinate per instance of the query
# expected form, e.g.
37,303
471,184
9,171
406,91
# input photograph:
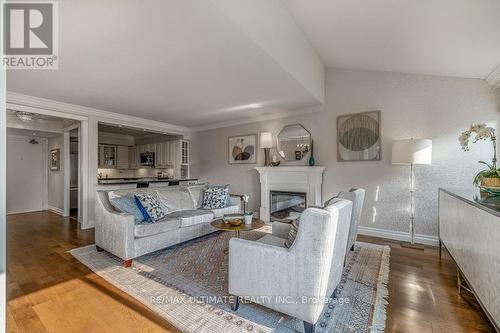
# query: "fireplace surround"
289,179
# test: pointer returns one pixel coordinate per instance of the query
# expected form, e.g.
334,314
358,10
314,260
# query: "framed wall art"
358,137
55,160
243,149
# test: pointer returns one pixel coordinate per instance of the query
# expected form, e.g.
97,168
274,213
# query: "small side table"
219,224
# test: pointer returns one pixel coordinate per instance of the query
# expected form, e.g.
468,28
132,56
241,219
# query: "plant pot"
248,218
493,181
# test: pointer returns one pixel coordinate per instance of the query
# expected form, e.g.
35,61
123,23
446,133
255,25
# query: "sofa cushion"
196,192
176,199
219,212
126,204
150,229
127,192
191,217
272,240
150,206
214,198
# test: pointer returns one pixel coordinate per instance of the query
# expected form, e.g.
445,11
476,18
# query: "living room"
270,166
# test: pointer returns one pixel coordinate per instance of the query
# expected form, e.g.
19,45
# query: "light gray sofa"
117,233
312,267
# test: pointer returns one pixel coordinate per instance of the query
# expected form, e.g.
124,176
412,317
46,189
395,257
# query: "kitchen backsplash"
128,173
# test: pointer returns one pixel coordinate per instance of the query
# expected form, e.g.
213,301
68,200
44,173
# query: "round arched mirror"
294,142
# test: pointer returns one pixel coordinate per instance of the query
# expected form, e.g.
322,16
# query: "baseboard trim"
398,235
25,211
56,210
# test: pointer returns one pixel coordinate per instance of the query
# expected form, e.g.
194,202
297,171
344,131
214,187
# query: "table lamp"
266,142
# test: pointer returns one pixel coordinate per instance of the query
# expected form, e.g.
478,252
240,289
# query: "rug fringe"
382,298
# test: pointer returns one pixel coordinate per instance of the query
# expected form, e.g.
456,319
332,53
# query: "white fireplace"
298,179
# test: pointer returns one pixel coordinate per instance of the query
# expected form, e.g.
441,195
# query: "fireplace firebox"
286,206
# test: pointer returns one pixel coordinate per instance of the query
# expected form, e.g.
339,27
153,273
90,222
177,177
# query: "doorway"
40,163
74,173
26,173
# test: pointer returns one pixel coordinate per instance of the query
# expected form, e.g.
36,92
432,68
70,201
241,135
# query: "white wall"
412,106
55,179
497,95
26,174
3,146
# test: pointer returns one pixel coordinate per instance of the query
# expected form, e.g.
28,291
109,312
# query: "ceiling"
36,116
39,122
201,64
183,62
459,38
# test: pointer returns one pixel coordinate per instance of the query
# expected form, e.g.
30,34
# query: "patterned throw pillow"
150,206
214,198
228,198
292,234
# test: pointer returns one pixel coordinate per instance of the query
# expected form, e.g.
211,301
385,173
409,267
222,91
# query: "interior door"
26,174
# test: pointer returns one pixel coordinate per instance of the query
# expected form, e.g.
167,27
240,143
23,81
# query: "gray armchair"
283,277
357,196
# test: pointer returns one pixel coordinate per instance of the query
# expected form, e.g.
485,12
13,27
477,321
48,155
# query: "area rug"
187,285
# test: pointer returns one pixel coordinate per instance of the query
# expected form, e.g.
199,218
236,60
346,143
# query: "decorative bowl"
235,223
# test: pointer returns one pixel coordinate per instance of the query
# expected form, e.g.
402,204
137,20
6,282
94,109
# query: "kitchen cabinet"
159,156
122,159
165,155
106,156
168,155
111,157
182,152
133,157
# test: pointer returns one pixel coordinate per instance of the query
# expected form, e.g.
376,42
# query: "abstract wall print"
358,137
54,160
243,149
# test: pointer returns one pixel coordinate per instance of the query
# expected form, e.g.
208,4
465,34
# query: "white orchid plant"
481,132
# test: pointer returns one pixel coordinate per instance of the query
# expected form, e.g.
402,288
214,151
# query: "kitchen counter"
135,180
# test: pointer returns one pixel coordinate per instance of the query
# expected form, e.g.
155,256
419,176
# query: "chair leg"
308,327
236,304
127,263
99,249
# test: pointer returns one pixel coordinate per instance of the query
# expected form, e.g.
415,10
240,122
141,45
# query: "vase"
248,218
312,162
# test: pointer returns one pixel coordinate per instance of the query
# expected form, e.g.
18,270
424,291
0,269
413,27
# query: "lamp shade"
412,151
266,140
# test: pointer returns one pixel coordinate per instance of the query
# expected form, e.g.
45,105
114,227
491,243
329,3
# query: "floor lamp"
411,152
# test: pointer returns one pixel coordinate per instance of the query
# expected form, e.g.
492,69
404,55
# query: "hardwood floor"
423,294
50,291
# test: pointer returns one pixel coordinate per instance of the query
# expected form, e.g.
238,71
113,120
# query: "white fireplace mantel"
292,179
